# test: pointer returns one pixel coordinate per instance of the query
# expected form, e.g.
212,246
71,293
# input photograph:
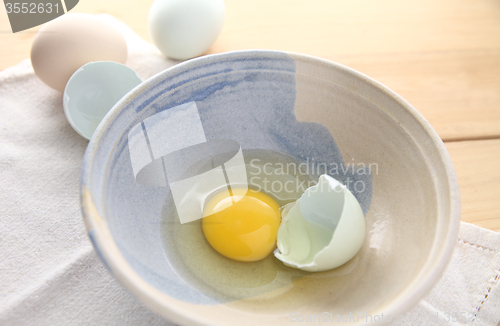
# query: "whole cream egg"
183,29
323,229
68,42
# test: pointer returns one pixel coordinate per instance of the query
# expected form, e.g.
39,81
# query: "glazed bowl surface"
282,110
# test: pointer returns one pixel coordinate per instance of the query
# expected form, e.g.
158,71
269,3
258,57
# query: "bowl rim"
110,255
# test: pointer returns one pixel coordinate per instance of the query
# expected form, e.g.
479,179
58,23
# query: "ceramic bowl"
280,108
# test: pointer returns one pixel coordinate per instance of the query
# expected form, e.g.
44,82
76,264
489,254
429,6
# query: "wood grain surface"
443,56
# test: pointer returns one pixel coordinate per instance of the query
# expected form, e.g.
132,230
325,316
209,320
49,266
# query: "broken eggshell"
93,90
323,229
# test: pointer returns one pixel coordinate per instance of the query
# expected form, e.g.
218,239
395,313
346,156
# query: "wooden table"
443,56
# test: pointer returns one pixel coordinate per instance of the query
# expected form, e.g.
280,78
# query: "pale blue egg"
184,29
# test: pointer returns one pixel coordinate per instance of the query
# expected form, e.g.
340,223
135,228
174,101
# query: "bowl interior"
283,109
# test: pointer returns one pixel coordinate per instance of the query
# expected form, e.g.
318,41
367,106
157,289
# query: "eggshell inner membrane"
323,229
93,90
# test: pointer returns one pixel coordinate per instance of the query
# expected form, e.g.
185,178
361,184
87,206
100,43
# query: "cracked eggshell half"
93,90
323,229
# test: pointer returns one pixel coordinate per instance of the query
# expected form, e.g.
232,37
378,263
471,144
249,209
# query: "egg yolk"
243,226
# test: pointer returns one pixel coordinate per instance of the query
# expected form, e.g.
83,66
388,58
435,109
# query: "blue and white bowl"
280,108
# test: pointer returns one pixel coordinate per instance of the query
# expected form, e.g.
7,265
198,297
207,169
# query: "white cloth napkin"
49,273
